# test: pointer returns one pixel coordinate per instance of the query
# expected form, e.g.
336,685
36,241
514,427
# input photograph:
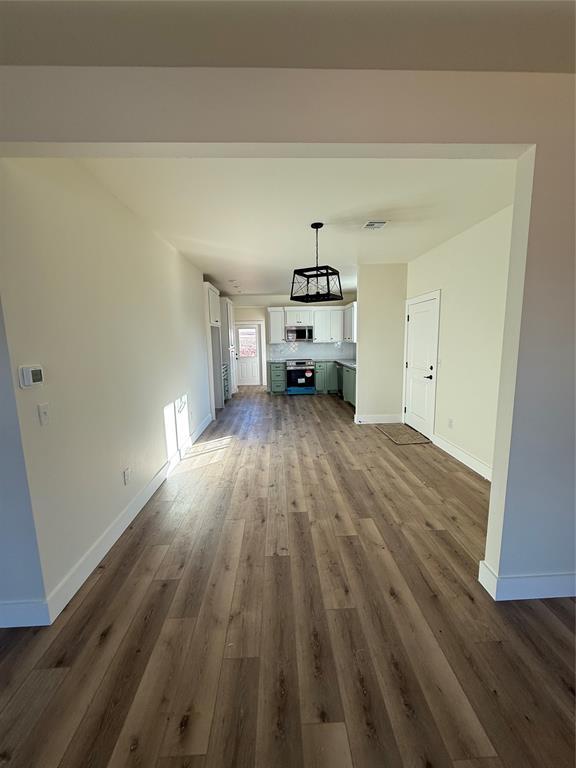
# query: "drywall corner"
380,338
22,593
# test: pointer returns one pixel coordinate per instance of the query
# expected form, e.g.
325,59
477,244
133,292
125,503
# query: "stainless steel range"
300,377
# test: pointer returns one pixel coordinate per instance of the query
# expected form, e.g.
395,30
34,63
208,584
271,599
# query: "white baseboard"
378,418
24,613
527,586
176,458
201,427
76,576
193,436
173,462
457,453
71,583
37,613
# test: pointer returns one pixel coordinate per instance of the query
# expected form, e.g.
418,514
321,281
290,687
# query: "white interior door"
422,316
248,354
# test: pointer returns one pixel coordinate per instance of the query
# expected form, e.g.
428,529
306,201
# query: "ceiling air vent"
374,225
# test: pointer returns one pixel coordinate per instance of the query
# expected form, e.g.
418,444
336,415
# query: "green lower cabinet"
331,377
277,378
326,378
349,385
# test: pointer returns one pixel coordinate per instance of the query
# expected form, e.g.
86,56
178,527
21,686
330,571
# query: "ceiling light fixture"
316,283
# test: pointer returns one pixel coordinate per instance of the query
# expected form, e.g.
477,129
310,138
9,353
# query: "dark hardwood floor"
300,592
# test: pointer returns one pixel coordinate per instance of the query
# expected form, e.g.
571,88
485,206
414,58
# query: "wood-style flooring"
300,592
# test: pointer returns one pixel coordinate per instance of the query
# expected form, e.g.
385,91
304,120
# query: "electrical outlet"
450,423
127,475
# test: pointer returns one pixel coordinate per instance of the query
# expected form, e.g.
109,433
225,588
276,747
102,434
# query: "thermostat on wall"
30,375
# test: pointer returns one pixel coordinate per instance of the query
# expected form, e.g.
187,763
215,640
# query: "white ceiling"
248,219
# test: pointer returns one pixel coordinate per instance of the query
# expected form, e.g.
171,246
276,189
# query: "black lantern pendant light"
316,283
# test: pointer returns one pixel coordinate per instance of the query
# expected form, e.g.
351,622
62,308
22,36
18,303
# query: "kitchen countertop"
345,361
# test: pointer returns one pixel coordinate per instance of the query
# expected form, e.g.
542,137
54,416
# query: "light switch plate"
43,413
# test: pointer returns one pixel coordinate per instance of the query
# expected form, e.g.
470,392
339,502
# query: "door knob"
428,377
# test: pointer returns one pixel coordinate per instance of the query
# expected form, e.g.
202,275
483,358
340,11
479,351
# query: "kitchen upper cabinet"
292,317
299,317
336,324
328,325
350,322
276,330
321,325
347,324
213,304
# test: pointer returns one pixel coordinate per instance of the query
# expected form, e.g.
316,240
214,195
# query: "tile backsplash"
343,350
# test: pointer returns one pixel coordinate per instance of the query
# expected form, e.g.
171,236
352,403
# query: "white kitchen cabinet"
328,324
213,305
347,323
276,325
350,322
292,317
336,324
296,317
321,320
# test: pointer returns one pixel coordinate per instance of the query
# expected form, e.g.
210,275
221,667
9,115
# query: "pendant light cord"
316,249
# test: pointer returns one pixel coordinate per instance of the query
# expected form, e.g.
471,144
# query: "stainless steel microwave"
299,333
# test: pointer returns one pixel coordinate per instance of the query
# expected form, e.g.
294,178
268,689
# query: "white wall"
116,317
380,345
471,270
249,314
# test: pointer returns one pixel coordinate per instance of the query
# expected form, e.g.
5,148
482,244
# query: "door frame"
261,346
407,304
